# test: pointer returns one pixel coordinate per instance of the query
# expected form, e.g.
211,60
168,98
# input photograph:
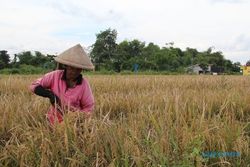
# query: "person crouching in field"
66,89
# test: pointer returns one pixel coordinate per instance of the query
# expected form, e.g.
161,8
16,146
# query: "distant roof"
197,65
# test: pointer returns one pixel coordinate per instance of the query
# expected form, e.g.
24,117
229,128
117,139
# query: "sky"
52,26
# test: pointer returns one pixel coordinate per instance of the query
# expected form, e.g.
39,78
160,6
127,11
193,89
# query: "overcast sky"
52,26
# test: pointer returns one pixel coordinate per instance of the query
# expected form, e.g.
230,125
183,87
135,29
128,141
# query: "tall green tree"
132,52
163,60
189,56
121,56
135,48
111,56
149,53
25,57
4,59
37,59
104,48
236,67
202,60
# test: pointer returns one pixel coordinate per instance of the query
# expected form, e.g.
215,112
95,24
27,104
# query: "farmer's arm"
46,81
43,85
87,100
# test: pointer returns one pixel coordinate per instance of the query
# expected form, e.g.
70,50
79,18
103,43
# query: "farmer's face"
72,73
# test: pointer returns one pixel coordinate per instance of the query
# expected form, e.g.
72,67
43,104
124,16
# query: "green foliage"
109,55
24,69
25,57
4,59
104,48
38,59
26,63
2,64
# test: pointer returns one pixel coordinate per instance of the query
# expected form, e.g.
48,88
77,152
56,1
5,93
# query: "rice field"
138,121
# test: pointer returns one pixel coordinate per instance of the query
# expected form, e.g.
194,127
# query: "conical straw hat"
75,57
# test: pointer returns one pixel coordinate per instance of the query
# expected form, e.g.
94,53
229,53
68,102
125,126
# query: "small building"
245,69
211,69
195,69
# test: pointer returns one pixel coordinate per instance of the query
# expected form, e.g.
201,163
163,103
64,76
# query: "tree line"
107,54
26,62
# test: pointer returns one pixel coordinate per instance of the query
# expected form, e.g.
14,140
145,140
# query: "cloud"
241,43
227,1
52,26
237,48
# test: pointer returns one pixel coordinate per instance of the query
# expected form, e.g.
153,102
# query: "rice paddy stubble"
138,121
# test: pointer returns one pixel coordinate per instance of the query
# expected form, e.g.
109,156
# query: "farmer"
66,89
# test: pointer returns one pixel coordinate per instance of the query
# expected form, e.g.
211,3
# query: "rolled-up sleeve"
87,100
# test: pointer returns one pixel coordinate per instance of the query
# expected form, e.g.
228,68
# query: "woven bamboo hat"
75,57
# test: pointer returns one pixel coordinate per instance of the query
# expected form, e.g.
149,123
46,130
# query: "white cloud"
51,26
227,1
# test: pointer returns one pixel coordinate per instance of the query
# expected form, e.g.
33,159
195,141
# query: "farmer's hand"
54,99
41,91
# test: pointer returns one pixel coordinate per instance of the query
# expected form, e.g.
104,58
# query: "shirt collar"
78,79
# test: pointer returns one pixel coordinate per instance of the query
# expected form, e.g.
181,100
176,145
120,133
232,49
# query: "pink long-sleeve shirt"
78,98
